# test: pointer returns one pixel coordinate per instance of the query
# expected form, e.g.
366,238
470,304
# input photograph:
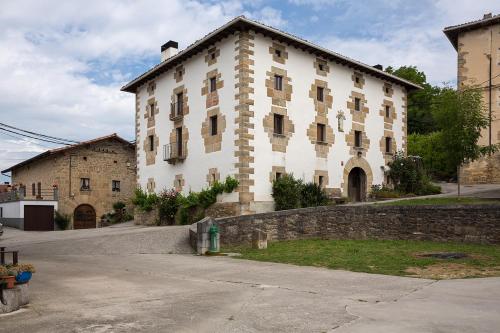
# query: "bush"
290,193
144,201
168,204
286,192
119,205
408,175
62,220
383,192
312,195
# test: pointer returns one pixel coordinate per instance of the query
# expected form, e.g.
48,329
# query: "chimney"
379,67
487,16
169,49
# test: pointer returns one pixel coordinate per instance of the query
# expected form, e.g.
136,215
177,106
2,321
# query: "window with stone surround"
357,104
84,184
387,111
115,185
180,104
277,53
213,84
152,110
358,135
278,124
33,189
178,137
321,67
151,142
321,180
319,94
388,145
321,133
278,175
213,125
278,82
39,192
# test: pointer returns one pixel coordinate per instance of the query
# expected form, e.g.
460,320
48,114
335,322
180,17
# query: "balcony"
174,152
176,110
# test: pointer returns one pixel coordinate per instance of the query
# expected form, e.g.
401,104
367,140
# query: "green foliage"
383,192
119,205
173,206
144,201
312,195
408,175
168,204
434,157
420,116
286,192
62,220
460,117
290,193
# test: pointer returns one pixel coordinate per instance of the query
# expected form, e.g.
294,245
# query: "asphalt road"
102,290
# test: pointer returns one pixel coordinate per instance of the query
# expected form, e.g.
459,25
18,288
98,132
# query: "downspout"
489,92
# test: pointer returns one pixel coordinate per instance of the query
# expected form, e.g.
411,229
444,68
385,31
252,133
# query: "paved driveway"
98,290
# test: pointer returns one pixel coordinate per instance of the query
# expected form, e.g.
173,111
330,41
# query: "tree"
460,117
420,118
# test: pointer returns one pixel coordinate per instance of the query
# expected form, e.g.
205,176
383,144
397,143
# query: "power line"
38,134
32,137
17,138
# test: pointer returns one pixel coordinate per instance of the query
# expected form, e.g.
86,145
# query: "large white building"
253,102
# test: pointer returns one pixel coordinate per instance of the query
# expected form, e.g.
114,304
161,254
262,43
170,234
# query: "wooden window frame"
115,186
278,82
278,124
213,84
357,104
388,145
213,125
320,94
358,139
321,133
84,184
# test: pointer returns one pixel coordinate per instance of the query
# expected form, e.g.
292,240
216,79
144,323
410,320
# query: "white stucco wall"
300,158
197,164
15,209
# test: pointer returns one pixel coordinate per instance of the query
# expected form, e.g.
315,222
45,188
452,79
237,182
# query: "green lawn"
440,201
383,257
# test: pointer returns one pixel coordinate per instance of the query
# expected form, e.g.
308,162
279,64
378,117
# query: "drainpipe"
489,92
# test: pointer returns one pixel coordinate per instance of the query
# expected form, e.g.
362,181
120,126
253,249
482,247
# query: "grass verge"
441,201
403,258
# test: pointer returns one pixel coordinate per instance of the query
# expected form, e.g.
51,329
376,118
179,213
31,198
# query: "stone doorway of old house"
84,217
356,189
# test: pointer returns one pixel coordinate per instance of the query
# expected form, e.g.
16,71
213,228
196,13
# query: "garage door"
38,218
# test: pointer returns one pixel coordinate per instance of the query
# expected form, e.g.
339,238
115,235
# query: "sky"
62,63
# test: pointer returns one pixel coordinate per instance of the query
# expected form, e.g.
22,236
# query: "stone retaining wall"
472,223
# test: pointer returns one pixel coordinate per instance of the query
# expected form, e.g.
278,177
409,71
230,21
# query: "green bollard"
214,242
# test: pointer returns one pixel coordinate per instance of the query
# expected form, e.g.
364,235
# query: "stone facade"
101,161
474,224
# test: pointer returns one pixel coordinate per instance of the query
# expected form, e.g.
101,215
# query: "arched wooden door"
84,217
357,185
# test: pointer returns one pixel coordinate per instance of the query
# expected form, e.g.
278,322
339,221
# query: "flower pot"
9,280
23,277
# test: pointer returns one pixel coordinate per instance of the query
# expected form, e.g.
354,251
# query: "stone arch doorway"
356,186
365,182
84,217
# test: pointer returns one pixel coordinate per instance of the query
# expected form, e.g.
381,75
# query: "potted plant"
7,276
24,273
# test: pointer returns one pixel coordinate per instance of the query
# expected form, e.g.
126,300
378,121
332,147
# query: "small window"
321,180
178,136
278,124
386,90
212,55
84,158
320,67
213,125
84,184
151,143
320,91
387,111
180,103
115,185
33,189
388,145
357,104
278,175
277,53
151,110
278,82
213,84
39,192
321,135
358,139
356,79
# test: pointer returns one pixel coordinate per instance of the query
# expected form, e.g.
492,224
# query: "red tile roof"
453,31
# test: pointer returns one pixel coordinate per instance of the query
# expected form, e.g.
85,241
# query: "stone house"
89,177
478,52
254,102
